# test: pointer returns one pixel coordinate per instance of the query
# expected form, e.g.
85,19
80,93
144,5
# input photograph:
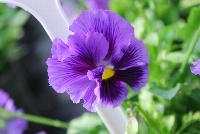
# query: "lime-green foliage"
170,102
11,23
87,124
169,29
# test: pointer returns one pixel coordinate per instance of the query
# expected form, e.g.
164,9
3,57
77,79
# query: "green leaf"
143,128
87,124
175,57
11,30
192,44
151,122
193,24
19,19
192,127
167,94
191,117
189,3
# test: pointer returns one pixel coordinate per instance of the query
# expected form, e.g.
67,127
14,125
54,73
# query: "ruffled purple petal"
97,4
95,74
68,77
90,98
10,105
111,93
59,50
117,31
84,56
6,102
136,77
195,69
135,55
62,74
83,89
78,89
93,48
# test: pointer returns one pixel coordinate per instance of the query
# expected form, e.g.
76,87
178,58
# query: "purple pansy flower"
13,125
97,4
195,69
100,58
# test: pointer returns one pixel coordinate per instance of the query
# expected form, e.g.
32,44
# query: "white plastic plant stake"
114,119
49,13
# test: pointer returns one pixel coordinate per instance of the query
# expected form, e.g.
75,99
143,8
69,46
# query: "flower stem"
149,120
180,131
36,119
192,45
191,48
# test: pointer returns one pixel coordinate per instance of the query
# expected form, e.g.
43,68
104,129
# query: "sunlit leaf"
151,122
175,57
165,93
193,24
87,124
19,19
189,3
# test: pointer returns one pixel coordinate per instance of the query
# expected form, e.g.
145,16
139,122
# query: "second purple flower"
12,125
100,58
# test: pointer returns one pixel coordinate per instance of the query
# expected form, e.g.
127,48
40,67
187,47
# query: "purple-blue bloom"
13,125
97,4
100,58
195,69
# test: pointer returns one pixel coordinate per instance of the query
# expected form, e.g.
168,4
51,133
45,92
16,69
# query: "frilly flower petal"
62,74
93,48
59,50
135,55
117,31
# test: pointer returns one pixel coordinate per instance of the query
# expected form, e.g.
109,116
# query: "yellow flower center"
108,73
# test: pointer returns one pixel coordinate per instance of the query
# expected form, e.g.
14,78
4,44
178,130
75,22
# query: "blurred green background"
11,23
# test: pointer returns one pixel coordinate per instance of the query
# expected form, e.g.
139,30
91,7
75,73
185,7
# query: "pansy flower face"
13,125
100,58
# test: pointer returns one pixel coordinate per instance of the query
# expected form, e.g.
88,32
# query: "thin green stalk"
154,127
191,48
36,119
180,131
192,45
